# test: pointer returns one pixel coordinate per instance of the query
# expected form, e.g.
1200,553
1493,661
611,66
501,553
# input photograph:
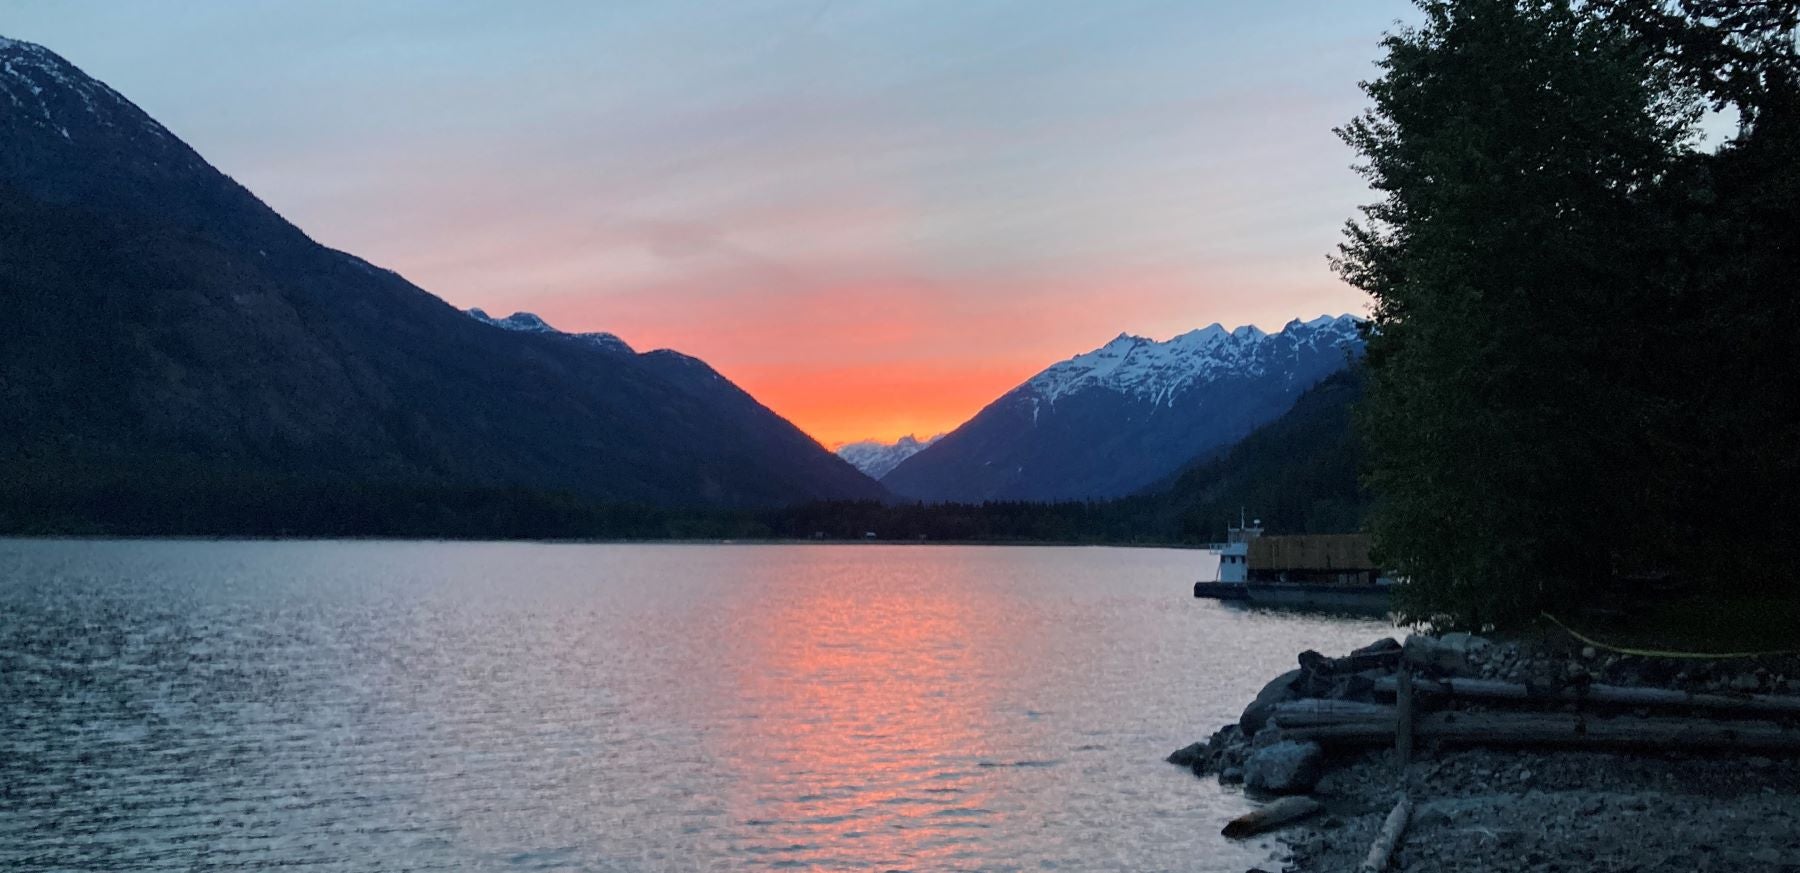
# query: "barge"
1317,571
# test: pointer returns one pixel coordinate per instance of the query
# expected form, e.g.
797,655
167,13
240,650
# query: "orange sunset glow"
868,222
884,357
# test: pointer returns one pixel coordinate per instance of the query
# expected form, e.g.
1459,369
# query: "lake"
516,706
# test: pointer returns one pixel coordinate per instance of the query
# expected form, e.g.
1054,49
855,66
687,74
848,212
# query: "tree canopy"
1580,310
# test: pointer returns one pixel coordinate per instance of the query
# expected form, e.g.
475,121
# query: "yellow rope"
1654,653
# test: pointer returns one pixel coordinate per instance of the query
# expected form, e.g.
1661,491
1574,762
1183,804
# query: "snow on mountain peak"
1160,371
529,322
44,89
876,458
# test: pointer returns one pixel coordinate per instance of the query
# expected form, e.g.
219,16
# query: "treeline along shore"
1301,469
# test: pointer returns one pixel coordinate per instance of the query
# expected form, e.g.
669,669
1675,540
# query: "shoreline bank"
1524,756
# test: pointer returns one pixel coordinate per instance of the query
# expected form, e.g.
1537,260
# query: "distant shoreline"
590,542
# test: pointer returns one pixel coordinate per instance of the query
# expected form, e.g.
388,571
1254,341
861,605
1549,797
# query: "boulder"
1383,646
1187,755
1449,653
1287,767
1280,690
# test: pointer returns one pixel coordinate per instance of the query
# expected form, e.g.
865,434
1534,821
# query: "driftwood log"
1361,726
1492,689
1388,837
1403,718
1272,815
1320,711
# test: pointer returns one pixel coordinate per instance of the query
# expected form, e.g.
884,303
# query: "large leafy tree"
1728,470
1526,153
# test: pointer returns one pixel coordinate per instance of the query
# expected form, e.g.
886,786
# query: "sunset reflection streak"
867,700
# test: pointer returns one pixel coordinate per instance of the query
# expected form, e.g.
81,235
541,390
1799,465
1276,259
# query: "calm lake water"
481,706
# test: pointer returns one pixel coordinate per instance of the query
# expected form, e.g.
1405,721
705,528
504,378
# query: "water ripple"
434,706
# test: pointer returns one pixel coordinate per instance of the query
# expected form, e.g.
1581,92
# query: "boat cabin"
1234,552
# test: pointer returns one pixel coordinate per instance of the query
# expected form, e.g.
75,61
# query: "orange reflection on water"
866,709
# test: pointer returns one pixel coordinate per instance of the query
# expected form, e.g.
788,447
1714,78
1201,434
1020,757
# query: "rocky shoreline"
1496,806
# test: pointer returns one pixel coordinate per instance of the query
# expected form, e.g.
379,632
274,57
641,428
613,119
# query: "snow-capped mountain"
1161,371
528,322
1128,414
875,458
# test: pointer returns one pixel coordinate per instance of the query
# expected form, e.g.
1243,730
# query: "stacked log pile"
1461,690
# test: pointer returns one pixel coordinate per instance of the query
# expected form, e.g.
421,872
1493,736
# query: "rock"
1313,662
1449,653
1266,737
1280,690
1188,755
1745,682
1766,856
1287,767
1356,686
1758,762
1231,775
1379,647
1588,653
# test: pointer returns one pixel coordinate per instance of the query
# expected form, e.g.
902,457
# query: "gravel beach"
1487,811
1487,808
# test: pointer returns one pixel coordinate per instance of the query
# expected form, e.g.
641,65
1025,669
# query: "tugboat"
1312,571
1234,567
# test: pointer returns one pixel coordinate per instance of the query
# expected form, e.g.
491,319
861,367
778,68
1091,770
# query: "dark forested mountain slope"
1297,473
164,323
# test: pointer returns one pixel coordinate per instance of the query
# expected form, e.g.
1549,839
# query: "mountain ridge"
1121,417
165,318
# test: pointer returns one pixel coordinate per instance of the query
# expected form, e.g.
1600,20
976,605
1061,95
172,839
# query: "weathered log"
1272,815
1556,729
1388,838
1622,695
1403,719
1367,661
1317,711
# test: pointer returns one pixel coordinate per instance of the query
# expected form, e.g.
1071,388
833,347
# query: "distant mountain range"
875,458
1128,415
165,326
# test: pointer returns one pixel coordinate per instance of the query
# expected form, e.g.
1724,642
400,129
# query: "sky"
876,217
